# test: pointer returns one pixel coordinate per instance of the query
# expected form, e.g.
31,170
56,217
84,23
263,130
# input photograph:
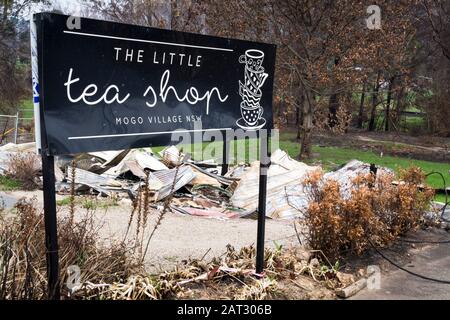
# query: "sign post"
111,86
48,170
225,152
264,163
51,233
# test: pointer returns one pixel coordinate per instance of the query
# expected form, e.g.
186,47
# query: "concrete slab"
431,260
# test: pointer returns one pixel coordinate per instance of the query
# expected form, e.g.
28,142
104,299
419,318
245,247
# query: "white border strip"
142,134
35,83
147,41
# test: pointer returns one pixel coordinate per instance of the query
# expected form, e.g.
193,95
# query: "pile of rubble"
199,189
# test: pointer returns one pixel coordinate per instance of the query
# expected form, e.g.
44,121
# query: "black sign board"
110,86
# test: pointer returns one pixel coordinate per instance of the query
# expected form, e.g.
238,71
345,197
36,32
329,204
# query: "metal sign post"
48,169
264,163
51,233
225,152
16,127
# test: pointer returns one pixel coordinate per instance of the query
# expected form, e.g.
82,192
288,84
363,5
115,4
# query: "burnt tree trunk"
376,88
307,126
332,110
399,106
388,103
5,14
299,115
333,105
361,107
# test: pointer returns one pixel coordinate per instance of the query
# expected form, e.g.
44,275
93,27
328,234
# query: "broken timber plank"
352,289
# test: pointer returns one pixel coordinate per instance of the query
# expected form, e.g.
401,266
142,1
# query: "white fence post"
16,127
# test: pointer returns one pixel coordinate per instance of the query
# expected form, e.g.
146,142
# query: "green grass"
440,197
26,109
408,123
9,184
378,123
99,203
90,204
332,157
413,108
197,153
329,157
413,123
63,202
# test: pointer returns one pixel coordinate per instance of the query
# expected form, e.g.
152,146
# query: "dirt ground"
179,236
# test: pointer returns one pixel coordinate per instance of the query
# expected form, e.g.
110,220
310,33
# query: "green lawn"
408,123
332,157
440,198
26,109
89,203
413,123
197,153
9,184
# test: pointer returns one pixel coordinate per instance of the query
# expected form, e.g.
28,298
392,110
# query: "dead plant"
23,252
376,210
166,202
72,191
259,290
24,167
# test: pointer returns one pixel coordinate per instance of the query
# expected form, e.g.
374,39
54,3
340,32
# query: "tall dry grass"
23,253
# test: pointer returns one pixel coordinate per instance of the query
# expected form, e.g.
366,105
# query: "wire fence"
16,129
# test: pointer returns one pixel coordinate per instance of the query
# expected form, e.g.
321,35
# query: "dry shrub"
23,254
24,167
376,210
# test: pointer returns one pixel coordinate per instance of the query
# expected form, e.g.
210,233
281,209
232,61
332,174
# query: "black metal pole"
51,235
48,166
225,152
264,159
